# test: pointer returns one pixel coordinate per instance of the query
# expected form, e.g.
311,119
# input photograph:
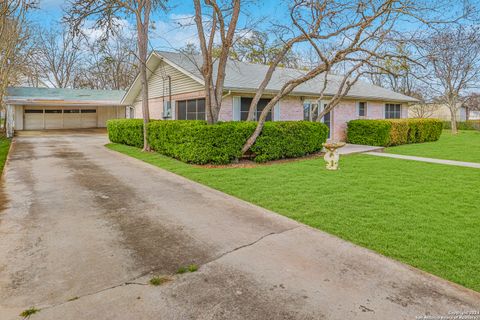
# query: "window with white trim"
393,111
310,111
362,109
193,109
245,106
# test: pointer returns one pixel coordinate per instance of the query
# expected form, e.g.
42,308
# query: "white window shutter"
276,112
236,108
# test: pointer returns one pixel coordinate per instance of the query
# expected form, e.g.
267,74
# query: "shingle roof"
87,96
244,76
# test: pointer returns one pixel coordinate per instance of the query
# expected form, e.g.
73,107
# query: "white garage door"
38,118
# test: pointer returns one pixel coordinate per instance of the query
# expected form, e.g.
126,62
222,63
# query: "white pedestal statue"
331,154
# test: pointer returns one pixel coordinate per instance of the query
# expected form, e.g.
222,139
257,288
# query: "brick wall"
291,108
226,111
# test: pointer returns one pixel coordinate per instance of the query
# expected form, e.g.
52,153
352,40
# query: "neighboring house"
437,111
474,115
176,91
50,108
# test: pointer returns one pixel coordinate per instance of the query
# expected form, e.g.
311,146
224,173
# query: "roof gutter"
327,96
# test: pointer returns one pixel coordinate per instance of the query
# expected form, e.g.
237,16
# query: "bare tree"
14,35
452,59
423,109
224,19
348,34
57,56
108,64
261,48
108,14
399,75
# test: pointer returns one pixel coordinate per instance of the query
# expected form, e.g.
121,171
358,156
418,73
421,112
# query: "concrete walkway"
357,148
430,160
85,228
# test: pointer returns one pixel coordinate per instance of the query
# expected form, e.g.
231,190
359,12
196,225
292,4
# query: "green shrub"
199,143
424,130
289,139
398,132
369,132
463,125
126,131
392,132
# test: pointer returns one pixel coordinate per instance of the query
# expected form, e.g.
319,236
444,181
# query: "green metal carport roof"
56,96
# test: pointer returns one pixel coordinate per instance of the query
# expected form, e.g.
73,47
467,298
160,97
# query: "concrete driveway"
85,228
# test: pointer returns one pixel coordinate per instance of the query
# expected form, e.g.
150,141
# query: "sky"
173,29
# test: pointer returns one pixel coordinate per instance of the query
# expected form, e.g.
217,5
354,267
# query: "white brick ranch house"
176,92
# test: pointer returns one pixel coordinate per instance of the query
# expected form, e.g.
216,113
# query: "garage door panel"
53,119
33,118
89,118
39,118
72,119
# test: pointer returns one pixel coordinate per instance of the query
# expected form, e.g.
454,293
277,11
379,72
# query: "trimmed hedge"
393,132
463,125
126,131
199,143
289,139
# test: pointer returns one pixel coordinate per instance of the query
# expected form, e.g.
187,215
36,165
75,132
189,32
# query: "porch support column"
10,112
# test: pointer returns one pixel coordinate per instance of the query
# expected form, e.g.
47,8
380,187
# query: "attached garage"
41,118
47,108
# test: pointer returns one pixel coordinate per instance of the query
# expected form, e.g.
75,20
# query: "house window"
191,109
362,109
393,111
310,111
245,106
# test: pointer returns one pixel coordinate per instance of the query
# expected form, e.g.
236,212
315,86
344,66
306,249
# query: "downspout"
226,95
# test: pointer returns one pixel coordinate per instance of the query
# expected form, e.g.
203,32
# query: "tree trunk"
142,31
453,120
4,120
261,122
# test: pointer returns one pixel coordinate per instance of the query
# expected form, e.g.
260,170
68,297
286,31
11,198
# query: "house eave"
313,95
59,102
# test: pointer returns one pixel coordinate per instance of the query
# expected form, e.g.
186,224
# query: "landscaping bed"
405,210
464,146
199,143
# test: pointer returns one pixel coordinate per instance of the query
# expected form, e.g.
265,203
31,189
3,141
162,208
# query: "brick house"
176,92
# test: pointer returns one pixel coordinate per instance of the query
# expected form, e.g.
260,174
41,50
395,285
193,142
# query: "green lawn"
4,147
423,214
465,146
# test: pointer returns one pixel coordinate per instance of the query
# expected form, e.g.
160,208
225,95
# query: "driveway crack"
133,281
250,244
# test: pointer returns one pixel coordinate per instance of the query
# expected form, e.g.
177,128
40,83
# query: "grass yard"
422,214
465,146
4,147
